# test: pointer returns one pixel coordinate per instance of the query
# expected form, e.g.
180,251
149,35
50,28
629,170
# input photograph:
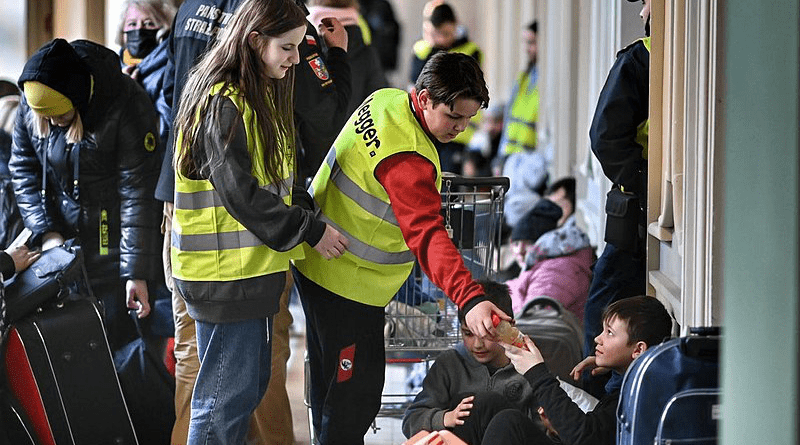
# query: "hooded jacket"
454,374
106,197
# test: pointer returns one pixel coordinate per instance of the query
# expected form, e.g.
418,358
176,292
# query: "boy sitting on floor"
468,384
630,326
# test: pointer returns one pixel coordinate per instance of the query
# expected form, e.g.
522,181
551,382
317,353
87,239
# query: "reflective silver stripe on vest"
215,241
367,252
371,204
210,198
515,120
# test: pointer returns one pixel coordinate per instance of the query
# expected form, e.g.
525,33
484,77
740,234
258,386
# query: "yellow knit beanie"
44,100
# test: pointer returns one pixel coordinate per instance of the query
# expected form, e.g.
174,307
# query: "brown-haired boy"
466,385
630,326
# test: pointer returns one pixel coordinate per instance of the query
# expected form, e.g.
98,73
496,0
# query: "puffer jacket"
151,77
112,204
565,278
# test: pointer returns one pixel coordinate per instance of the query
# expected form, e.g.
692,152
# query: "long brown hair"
233,62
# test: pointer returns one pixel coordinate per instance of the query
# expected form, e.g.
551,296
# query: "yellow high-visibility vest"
519,132
208,243
350,198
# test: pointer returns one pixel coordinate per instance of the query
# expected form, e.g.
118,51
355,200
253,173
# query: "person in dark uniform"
619,140
322,91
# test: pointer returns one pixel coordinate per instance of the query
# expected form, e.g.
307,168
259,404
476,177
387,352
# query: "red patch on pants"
346,358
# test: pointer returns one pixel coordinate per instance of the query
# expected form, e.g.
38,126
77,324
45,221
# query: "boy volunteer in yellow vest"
379,187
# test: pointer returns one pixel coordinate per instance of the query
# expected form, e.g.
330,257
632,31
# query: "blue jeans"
233,377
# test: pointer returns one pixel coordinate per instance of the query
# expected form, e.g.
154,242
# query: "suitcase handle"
705,331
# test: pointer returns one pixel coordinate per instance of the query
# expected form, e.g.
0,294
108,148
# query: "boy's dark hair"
533,27
568,184
647,319
450,76
495,292
442,14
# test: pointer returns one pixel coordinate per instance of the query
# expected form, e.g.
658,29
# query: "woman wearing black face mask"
143,29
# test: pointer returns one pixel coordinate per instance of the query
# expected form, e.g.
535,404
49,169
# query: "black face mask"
140,42
647,27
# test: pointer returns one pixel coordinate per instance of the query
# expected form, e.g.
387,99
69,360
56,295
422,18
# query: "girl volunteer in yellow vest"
235,227
380,187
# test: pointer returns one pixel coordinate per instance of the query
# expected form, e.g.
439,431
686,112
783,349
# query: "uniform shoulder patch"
149,141
319,68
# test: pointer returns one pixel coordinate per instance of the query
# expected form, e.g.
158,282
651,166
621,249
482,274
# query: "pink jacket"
564,278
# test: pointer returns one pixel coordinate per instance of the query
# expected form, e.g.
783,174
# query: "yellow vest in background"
350,198
208,243
519,133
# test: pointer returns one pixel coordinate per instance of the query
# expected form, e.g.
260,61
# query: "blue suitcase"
670,394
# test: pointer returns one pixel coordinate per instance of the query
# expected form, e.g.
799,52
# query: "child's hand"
586,364
521,359
546,423
23,257
456,416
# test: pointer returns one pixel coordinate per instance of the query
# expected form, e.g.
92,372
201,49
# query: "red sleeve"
418,215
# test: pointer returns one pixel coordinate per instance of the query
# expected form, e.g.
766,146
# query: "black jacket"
597,427
116,171
367,73
321,95
621,108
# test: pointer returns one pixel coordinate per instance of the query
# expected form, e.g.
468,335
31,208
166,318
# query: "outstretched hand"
479,319
332,245
522,359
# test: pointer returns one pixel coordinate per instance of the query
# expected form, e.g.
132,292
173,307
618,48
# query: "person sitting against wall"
556,263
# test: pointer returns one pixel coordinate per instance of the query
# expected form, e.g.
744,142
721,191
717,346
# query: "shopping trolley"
421,321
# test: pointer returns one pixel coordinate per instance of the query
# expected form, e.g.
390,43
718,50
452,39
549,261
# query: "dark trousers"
617,274
346,362
513,427
485,407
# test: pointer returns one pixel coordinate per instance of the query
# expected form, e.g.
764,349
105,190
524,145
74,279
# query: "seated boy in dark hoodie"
630,326
469,383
